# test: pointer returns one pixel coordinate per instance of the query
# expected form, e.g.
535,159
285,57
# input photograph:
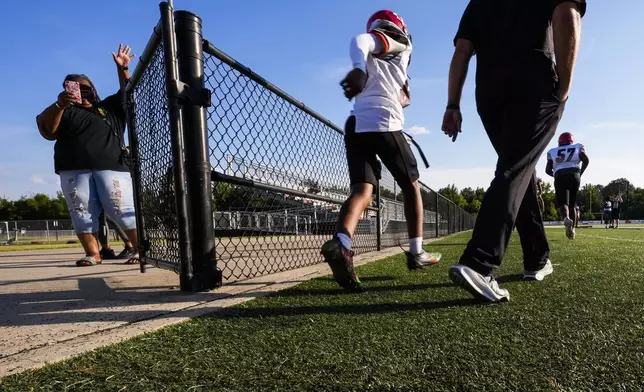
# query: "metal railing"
44,231
234,178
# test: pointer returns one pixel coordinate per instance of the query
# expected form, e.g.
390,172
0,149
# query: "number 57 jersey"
566,157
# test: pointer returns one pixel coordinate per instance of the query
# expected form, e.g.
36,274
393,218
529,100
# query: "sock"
416,245
344,239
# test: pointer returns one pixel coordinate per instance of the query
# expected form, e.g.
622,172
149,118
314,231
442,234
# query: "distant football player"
577,214
379,86
567,163
608,211
617,201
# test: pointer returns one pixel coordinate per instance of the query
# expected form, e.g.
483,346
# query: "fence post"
438,234
195,99
378,218
186,276
449,217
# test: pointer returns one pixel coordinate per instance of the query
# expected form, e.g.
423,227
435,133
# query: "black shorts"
391,147
608,215
615,213
566,188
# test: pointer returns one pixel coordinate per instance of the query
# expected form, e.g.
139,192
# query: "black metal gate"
234,178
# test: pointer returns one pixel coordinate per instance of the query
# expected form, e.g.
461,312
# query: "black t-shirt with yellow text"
92,139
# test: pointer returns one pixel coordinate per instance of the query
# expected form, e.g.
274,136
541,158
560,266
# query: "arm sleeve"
582,154
581,4
360,48
467,26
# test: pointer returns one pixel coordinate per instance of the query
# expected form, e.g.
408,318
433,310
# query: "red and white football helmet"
566,138
388,21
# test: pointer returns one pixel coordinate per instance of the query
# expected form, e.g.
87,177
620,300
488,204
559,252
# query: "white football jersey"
566,157
607,206
379,107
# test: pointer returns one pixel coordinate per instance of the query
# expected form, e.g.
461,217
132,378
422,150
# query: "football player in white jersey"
577,214
617,201
608,211
567,163
379,85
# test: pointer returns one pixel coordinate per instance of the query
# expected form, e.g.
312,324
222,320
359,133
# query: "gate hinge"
192,96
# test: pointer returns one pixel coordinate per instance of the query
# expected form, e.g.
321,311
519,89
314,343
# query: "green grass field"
22,247
582,329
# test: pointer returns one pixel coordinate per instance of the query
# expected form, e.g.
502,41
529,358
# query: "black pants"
520,124
105,224
566,187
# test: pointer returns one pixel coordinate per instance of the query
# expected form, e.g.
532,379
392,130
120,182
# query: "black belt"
420,150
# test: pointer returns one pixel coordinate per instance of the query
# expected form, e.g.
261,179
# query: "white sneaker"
482,287
569,228
539,275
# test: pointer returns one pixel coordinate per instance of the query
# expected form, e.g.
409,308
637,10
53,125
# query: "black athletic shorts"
615,213
566,187
391,147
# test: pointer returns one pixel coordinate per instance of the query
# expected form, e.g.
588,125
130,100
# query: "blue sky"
304,50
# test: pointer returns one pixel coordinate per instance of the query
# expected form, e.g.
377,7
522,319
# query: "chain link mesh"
152,128
259,134
295,161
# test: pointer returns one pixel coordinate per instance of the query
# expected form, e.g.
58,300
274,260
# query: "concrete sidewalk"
51,310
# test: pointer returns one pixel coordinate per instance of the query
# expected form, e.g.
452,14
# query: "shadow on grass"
510,278
376,308
375,289
363,279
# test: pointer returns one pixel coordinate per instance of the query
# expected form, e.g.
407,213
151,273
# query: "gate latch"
190,95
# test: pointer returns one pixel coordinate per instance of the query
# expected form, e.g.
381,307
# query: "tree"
7,210
590,198
468,194
548,195
618,187
473,199
474,207
36,207
451,193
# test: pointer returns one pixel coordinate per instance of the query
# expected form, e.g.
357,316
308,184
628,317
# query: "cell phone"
74,88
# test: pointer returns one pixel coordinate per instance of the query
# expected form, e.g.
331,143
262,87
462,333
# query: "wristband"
58,106
124,68
453,106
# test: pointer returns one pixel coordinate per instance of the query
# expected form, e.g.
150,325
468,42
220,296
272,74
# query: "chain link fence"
279,173
293,164
156,203
49,231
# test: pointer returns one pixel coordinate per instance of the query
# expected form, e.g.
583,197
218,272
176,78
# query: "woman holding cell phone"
90,156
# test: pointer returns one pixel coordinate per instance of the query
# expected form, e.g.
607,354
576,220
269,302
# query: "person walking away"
91,159
379,84
520,96
563,164
577,214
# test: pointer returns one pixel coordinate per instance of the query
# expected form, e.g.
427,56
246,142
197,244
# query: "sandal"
87,261
134,259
